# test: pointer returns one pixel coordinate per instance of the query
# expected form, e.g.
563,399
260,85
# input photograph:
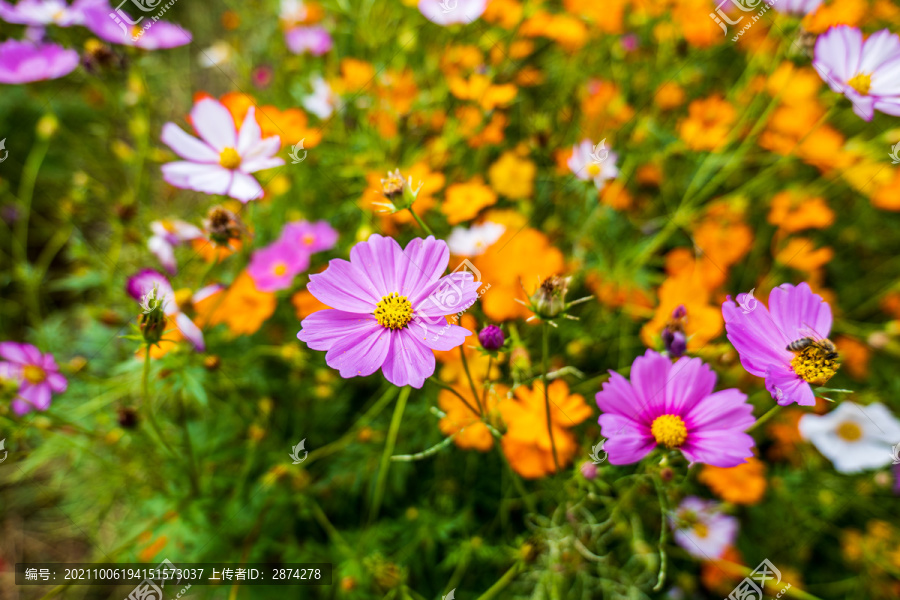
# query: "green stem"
388,450
504,581
420,222
487,382
192,461
768,415
663,529
443,385
465,362
148,405
26,193
545,351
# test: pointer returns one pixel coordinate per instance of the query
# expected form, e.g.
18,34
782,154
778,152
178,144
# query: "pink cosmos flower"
311,237
315,40
450,12
145,33
45,12
274,267
167,235
145,281
24,62
37,374
867,73
702,529
761,336
594,161
222,160
796,7
388,309
673,405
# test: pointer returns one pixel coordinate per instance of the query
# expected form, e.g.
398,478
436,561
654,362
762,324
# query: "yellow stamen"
701,530
593,169
308,239
393,311
136,31
184,299
861,83
34,374
669,430
813,366
849,431
280,269
229,158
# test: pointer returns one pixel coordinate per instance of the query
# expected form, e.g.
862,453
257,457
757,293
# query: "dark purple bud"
675,343
491,338
680,312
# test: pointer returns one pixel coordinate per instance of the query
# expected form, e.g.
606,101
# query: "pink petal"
250,133
377,257
244,187
439,336
344,286
627,441
190,331
409,362
36,395
187,146
690,382
324,328
422,262
787,388
206,178
214,124
797,312
361,353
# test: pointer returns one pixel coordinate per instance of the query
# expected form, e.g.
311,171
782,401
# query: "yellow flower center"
184,299
593,169
308,239
701,530
669,430
861,83
135,31
813,366
280,269
34,374
849,431
393,311
229,158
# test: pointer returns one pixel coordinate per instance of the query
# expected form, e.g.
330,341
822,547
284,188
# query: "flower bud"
491,338
153,319
549,300
673,337
589,471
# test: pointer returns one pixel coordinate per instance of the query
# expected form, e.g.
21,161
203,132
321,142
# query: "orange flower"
743,484
398,90
794,211
465,200
479,88
669,95
839,12
604,107
854,356
615,195
606,16
520,256
147,554
355,75
797,86
704,318
708,124
243,308
888,196
616,293
568,31
505,13
527,442
513,175
720,577
306,304
472,433
802,255
458,60
691,17
290,125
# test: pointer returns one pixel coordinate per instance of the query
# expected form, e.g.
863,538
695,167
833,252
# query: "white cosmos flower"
475,240
853,437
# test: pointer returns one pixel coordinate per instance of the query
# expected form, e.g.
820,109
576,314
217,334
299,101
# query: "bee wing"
807,331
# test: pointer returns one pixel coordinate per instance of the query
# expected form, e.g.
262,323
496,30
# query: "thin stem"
192,462
545,351
465,362
663,529
420,222
443,385
388,450
148,405
487,382
504,581
768,415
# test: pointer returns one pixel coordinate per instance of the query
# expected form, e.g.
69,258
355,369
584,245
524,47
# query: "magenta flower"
761,336
796,7
145,281
311,237
450,12
37,374
673,405
867,73
595,162
274,267
166,236
45,12
388,309
315,40
702,529
145,33
222,160
24,62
